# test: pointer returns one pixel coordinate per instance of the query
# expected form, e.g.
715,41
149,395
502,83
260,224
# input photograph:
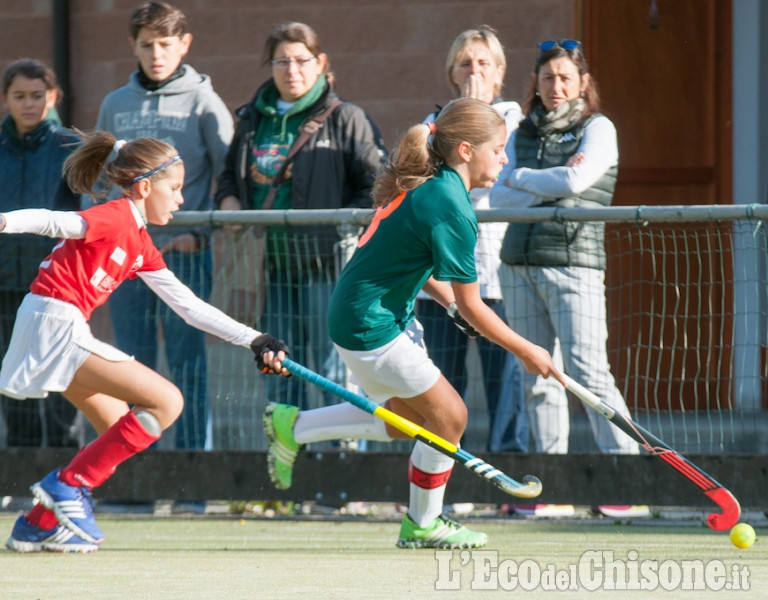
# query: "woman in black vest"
564,153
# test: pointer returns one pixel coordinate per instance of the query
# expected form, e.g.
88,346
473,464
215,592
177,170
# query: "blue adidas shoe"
26,538
73,506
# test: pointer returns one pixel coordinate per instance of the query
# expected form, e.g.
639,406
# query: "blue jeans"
137,314
447,346
295,311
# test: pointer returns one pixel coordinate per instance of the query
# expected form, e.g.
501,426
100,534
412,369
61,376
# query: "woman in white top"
475,68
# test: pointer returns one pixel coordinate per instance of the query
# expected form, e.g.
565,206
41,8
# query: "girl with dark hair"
33,148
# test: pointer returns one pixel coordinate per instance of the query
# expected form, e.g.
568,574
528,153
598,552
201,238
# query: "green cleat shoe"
440,533
278,423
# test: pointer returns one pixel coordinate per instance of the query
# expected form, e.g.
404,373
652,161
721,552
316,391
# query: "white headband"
118,144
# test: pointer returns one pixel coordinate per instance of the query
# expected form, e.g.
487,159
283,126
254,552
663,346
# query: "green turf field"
307,559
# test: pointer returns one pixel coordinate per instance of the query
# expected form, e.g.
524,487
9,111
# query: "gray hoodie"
186,113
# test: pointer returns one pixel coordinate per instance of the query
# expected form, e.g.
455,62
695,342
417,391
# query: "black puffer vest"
553,243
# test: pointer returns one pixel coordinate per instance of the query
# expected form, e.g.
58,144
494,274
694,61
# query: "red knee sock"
93,465
41,517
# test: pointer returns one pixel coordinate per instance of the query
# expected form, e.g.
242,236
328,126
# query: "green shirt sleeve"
453,250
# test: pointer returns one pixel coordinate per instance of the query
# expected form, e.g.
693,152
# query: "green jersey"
431,230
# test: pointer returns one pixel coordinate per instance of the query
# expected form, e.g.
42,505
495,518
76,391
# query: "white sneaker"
618,511
545,510
460,508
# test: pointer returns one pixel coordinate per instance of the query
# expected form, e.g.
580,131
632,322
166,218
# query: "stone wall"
388,56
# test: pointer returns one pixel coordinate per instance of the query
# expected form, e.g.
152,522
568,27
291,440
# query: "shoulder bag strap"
309,128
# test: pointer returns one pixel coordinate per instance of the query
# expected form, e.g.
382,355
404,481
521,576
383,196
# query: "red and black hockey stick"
727,502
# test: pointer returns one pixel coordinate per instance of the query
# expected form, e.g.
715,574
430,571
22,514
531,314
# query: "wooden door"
666,84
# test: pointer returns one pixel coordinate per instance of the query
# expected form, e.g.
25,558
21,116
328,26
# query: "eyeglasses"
285,63
564,44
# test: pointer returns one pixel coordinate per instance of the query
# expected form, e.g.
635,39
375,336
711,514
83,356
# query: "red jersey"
84,272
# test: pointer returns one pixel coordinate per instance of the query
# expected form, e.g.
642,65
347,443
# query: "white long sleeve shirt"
182,300
524,187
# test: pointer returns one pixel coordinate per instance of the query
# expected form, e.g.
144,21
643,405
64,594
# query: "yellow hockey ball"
743,535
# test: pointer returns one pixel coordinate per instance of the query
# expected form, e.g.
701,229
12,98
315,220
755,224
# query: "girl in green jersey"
423,235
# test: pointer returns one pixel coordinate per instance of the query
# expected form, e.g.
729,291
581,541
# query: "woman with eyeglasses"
334,168
564,153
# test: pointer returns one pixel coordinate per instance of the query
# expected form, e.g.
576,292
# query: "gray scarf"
560,119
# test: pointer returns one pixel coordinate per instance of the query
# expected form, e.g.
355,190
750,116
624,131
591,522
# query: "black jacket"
336,168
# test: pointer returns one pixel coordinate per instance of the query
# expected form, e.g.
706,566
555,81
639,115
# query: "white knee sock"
428,473
338,422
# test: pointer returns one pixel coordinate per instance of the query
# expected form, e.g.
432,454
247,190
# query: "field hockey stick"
529,488
650,443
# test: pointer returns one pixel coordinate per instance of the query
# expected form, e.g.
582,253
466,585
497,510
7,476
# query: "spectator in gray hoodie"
167,99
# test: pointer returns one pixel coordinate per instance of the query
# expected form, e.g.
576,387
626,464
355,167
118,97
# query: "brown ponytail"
133,159
415,159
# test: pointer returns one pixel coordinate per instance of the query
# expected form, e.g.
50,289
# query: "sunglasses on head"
564,44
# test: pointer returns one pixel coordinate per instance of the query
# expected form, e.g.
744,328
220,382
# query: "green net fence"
686,308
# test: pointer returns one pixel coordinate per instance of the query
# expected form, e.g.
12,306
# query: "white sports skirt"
50,341
400,369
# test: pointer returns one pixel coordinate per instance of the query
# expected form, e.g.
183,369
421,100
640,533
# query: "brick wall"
388,56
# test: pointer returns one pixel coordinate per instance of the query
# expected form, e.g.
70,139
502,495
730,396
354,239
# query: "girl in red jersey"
52,347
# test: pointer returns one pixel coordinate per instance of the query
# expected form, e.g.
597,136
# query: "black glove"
458,320
266,343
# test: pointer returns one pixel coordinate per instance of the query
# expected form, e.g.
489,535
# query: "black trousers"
37,422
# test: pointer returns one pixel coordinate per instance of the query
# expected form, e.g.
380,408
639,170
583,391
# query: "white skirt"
399,369
50,341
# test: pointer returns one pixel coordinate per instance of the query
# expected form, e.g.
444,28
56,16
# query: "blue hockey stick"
529,488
